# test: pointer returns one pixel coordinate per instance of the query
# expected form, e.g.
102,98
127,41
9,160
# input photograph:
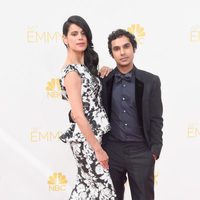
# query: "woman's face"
76,39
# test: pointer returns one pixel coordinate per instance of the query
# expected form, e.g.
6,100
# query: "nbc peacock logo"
53,88
57,182
138,31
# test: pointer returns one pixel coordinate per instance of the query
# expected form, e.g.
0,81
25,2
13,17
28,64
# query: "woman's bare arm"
72,84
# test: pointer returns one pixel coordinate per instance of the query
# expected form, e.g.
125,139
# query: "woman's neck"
74,58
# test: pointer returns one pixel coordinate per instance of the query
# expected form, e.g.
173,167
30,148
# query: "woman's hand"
102,157
104,71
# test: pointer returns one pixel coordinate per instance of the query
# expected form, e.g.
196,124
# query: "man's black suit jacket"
148,102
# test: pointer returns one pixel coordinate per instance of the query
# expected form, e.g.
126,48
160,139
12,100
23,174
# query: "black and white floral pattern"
93,181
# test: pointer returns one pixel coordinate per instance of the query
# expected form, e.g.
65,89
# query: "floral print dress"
93,181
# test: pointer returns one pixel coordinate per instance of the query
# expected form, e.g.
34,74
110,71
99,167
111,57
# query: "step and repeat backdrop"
34,163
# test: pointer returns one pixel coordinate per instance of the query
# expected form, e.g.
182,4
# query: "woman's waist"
94,109
98,124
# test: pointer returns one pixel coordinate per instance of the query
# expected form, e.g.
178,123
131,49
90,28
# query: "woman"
82,88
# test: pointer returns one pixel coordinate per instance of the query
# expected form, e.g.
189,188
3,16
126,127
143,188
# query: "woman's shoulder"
65,70
80,69
72,67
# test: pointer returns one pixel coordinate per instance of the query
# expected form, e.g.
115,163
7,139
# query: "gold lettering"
40,36
57,188
191,132
51,188
55,136
31,35
56,36
197,131
38,136
44,135
195,36
62,187
34,135
53,94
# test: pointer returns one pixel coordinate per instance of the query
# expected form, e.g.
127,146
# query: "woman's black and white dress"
93,181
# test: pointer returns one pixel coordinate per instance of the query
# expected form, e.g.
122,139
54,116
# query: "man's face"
123,52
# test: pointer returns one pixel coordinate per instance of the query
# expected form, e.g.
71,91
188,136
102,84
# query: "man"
132,100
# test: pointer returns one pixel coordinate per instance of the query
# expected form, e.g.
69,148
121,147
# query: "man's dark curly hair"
119,33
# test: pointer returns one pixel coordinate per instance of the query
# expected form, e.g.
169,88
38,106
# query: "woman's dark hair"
119,33
91,58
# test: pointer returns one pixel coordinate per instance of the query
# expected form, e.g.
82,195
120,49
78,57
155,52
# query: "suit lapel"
107,92
139,89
